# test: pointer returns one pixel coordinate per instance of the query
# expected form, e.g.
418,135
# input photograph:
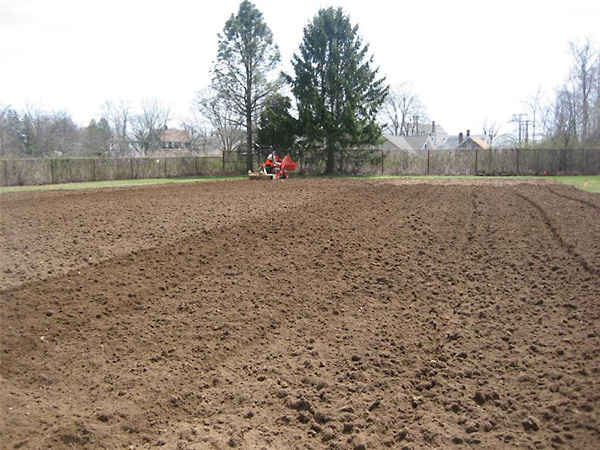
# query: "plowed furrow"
549,223
578,200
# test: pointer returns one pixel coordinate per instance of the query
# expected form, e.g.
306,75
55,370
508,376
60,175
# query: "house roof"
174,135
480,142
452,142
410,143
398,141
417,142
427,128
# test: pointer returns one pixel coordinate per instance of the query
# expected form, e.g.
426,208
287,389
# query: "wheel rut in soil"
569,248
579,200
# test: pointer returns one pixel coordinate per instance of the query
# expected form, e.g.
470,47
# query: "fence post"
5,173
382,162
427,161
51,171
196,165
476,155
131,166
94,169
165,159
517,161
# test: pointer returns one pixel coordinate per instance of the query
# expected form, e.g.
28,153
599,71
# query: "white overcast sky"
469,61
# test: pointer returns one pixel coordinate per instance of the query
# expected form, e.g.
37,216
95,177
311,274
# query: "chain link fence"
512,161
23,172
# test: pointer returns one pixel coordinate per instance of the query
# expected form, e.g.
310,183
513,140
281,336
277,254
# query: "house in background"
407,143
434,137
466,142
437,134
431,136
172,138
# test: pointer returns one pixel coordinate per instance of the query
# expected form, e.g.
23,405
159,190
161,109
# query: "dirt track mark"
471,212
472,227
570,249
568,197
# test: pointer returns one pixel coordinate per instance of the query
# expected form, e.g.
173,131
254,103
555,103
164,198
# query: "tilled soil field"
301,314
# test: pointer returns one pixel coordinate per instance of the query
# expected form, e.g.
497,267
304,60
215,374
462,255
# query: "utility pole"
415,131
519,118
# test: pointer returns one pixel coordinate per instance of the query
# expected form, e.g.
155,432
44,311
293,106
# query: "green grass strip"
590,183
113,183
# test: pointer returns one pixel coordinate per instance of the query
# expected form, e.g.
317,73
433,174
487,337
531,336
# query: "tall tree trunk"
249,142
248,120
330,165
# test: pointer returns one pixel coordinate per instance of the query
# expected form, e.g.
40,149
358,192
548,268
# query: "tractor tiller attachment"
281,171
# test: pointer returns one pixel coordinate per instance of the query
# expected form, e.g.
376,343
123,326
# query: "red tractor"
281,170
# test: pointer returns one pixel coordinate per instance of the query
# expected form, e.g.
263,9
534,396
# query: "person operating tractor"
272,162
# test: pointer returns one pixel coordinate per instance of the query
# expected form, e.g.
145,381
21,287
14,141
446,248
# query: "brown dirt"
301,314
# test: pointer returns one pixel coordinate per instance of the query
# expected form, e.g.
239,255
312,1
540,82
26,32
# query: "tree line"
570,116
247,107
333,100
37,133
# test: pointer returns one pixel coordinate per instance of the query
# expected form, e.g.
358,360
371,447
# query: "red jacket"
272,160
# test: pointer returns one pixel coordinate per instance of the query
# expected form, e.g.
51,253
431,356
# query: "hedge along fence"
20,172
471,162
25,172
463,162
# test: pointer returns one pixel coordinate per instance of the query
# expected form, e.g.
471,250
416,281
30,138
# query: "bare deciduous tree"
539,114
403,112
565,118
64,135
35,131
197,131
243,71
574,117
491,130
49,134
226,123
148,126
583,82
118,116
